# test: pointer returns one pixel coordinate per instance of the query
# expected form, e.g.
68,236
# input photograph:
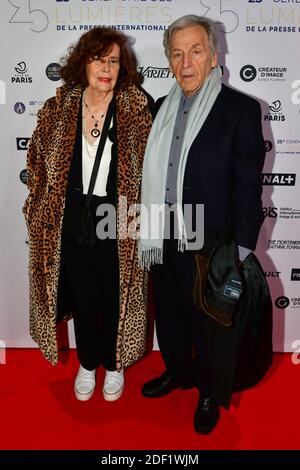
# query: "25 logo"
219,9
27,14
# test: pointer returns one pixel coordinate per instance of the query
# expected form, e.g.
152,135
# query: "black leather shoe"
165,384
207,415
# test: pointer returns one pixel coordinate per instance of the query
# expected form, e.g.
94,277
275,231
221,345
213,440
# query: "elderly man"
205,147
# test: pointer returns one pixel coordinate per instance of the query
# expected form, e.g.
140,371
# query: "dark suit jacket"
224,166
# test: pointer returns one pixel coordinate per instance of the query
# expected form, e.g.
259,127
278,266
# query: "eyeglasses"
112,61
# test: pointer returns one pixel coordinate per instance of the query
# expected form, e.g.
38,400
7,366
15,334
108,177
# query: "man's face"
191,59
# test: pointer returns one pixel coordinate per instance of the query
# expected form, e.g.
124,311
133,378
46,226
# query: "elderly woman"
84,162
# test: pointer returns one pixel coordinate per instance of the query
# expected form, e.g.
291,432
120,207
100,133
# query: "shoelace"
113,377
86,376
113,374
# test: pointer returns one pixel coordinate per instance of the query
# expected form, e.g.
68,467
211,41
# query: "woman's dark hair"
97,43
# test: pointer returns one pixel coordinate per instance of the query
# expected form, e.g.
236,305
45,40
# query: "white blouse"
88,157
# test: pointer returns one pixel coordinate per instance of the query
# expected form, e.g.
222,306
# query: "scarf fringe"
182,245
150,256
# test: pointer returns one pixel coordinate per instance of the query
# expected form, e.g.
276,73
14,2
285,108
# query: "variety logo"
19,107
53,71
295,274
156,72
279,179
22,143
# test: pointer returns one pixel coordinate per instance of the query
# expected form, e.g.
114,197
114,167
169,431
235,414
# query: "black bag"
218,286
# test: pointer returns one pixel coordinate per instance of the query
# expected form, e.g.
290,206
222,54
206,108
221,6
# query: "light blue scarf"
156,166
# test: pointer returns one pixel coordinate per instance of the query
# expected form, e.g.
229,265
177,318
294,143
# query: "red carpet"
39,411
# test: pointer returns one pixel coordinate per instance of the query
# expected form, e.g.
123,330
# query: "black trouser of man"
184,336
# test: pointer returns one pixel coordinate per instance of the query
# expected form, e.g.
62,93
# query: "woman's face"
102,73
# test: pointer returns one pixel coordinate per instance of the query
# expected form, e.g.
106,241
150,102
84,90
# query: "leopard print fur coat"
48,163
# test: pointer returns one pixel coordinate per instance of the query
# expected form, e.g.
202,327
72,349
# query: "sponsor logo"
268,145
52,71
284,244
22,143
289,213
295,274
282,213
270,212
156,72
23,176
21,68
279,179
248,73
276,107
288,147
282,302
21,75
34,106
272,273
275,113
19,107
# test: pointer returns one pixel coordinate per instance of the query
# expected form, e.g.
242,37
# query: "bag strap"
110,111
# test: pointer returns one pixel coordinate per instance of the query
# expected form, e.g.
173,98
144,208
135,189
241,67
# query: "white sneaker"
113,385
85,384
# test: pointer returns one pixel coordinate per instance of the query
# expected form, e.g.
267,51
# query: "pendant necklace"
95,132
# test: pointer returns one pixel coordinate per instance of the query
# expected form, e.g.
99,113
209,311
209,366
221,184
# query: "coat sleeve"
248,161
35,164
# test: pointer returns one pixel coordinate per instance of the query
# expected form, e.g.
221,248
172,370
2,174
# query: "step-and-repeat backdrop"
260,44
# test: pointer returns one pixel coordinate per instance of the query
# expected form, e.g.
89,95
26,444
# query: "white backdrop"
260,41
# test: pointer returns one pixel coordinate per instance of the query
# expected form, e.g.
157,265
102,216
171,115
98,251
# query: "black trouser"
184,336
91,277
